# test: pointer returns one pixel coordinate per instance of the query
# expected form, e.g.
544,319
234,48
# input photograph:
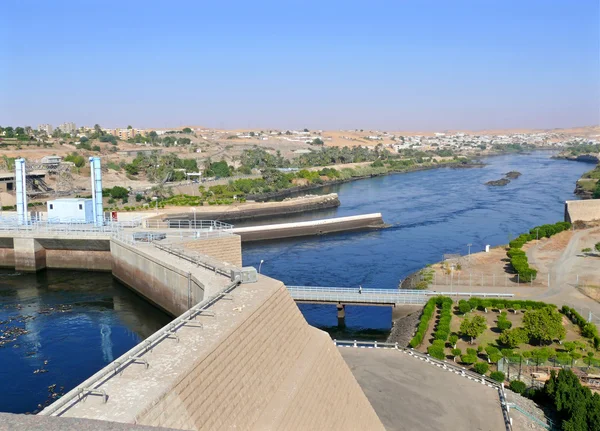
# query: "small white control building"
77,210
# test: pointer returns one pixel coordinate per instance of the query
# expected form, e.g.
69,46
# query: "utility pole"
469,245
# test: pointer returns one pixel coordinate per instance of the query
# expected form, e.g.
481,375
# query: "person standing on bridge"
359,289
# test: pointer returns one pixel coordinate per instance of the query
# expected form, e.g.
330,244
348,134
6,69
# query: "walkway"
344,295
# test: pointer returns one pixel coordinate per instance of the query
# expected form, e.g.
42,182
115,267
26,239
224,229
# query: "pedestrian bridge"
383,297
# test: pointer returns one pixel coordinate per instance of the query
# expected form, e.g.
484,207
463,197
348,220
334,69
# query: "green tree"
474,327
187,130
9,132
218,169
544,325
129,127
513,337
118,192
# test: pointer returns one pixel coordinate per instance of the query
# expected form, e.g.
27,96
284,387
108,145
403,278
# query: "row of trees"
518,257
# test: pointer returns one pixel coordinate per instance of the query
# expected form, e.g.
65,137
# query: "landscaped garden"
478,333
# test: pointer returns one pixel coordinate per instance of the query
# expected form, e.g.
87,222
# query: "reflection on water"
431,213
57,328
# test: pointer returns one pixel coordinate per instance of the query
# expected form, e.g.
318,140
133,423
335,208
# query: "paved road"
411,395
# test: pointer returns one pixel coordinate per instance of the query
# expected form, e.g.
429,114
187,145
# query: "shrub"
436,352
453,339
495,357
481,367
464,307
468,359
138,197
490,350
471,352
517,386
503,323
456,352
497,376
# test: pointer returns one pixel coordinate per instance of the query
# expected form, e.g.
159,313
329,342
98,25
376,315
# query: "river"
431,213
78,322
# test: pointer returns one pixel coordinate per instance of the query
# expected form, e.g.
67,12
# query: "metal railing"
70,228
376,296
198,259
208,225
135,355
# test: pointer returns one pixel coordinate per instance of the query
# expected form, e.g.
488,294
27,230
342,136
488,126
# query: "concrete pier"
29,255
314,227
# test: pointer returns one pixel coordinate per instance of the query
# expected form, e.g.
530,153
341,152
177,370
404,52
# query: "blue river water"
431,213
77,322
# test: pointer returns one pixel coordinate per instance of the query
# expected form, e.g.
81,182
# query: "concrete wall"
225,248
7,258
92,260
584,210
272,372
168,287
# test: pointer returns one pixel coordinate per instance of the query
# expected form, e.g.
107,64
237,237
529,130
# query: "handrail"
548,426
198,259
136,352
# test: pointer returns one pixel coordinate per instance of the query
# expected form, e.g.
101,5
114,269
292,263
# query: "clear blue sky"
389,65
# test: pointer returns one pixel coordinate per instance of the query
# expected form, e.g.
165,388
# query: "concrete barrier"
584,210
150,274
314,227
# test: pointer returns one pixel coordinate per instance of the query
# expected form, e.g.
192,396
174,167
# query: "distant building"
67,127
125,134
47,128
77,210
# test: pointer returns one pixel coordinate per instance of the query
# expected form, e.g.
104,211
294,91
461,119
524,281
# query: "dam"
238,354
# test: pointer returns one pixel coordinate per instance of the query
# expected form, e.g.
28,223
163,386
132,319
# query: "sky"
376,65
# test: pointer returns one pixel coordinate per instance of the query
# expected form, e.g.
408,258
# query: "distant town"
160,162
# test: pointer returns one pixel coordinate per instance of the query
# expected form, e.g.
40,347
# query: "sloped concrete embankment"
255,364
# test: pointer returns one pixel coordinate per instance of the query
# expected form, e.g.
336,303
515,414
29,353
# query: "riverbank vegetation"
518,257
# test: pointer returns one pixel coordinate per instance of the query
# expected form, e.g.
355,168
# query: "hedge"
518,258
588,330
442,330
426,316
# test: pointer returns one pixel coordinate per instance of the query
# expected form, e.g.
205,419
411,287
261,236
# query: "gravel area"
520,420
403,328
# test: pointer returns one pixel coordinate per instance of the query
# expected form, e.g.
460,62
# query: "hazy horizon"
397,66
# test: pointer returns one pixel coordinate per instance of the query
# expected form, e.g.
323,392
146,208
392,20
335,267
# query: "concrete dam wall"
248,361
255,364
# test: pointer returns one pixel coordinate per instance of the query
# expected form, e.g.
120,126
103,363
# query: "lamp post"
260,265
194,210
469,245
537,233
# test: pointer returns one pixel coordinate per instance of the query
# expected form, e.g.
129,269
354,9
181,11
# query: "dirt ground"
563,271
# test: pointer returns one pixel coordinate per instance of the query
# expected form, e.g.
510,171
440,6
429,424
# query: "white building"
67,127
77,210
47,128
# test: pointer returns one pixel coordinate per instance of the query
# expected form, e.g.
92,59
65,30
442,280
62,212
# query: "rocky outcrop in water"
512,175
500,182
